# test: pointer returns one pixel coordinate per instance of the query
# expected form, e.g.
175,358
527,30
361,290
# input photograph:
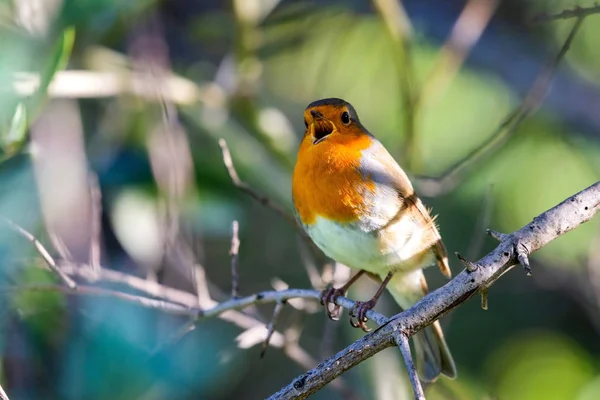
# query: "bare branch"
262,199
233,252
284,295
150,288
469,265
577,12
297,354
553,223
402,342
186,301
59,245
96,221
271,327
42,251
162,305
309,382
496,235
513,248
437,186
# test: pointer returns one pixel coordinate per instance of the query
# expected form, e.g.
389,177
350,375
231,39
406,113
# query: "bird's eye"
345,118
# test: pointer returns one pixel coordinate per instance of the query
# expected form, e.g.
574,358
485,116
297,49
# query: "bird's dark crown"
334,102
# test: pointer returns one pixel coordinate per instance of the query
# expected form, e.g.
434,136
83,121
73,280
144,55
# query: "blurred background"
110,116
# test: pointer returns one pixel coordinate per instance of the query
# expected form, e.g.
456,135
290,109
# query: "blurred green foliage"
245,75
555,367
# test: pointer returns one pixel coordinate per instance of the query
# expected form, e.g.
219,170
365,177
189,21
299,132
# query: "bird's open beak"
321,126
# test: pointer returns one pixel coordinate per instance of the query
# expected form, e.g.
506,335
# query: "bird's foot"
328,297
359,311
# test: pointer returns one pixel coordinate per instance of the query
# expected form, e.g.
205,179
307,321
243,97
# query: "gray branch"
514,248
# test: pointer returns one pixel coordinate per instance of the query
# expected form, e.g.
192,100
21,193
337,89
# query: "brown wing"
383,169
410,200
423,215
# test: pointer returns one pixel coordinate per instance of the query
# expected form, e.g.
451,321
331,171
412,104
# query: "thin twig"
96,221
149,288
171,162
59,245
469,265
402,342
228,313
233,252
546,227
496,235
162,305
577,12
176,301
262,199
448,180
284,295
271,327
513,248
42,252
168,149
182,303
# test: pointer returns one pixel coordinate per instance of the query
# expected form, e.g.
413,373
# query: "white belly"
398,247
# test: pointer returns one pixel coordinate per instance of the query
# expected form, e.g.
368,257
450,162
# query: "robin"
359,207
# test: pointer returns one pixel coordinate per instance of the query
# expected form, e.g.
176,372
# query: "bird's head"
328,118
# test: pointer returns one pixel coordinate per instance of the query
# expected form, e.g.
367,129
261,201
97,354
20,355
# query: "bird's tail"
432,354
431,351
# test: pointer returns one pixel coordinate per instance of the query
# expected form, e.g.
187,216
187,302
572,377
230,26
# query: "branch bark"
513,248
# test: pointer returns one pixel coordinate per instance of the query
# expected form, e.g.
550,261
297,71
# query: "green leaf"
15,135
59,58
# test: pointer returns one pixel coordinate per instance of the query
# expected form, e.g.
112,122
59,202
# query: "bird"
359,207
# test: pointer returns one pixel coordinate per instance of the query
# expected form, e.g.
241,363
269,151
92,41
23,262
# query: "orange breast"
327,181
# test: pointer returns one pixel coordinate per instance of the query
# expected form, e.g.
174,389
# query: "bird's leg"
330,294
361,307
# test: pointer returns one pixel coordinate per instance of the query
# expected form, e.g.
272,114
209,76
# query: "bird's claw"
328,297
359,311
